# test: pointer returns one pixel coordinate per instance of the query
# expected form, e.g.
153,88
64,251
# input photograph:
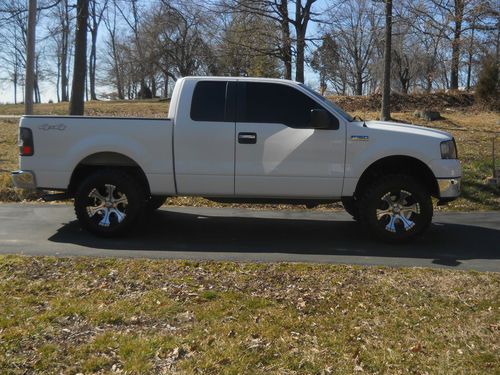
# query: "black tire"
396,208
155,202
119,210
351,207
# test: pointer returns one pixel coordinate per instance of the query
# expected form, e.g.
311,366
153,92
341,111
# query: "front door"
278,153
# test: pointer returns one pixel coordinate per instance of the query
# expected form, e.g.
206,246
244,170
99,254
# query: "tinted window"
275,103
209,101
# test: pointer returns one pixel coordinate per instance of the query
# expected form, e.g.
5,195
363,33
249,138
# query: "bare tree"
115,60
278,11
80,61
96,13
60,33
386,93
355,27
448,19
248,46
303,15
328,61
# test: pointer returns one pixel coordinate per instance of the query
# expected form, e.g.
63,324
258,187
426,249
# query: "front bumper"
24,180
449,187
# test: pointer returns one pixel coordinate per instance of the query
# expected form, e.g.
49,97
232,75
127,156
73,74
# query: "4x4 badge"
359,138
60,127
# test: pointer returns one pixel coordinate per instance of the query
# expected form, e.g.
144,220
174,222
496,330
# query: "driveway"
469,241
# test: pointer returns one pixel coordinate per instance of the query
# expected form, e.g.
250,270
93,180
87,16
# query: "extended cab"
241,140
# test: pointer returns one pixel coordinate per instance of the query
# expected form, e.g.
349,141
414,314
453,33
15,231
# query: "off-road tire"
86,202
416,204
155,202
351,207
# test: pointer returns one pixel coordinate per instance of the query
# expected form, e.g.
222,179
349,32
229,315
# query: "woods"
138,49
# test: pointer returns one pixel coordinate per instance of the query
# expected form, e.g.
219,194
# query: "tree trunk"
78,87
116,67
153,87
286,41
15,88
455,45
92,63
36,89
385,114
64,54
471,55
30,59
165,93
359,83
299,64
58,93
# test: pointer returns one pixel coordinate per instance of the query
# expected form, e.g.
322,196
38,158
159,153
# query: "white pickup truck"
241,140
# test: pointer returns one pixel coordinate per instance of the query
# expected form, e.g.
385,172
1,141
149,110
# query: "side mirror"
321,119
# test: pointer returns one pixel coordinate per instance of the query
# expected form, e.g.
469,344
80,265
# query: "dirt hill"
399,102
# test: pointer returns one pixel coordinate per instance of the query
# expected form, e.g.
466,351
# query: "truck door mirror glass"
321,119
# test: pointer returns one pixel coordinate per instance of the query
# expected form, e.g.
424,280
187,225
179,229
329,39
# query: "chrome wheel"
107,206
397,211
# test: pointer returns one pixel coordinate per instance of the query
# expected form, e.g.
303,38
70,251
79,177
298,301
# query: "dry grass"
139,317
135,108
473,130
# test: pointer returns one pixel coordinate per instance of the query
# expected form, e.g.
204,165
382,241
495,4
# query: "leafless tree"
115,60
386,93
96,13
355,25
279,12
60,34
80,60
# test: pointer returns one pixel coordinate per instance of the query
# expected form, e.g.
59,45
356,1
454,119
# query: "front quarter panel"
367,144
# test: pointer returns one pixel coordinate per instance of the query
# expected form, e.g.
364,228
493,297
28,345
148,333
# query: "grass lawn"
82,315
474,131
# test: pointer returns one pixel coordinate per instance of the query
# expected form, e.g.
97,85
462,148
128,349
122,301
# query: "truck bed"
61,143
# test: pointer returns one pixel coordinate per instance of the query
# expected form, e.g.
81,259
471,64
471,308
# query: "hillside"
399,102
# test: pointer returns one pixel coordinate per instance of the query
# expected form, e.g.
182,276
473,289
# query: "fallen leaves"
200,317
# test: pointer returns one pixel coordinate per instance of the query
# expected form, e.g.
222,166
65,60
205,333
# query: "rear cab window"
209,101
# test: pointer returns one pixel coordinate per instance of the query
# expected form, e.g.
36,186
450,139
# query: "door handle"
247,138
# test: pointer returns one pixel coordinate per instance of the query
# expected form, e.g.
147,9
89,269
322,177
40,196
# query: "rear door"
204,136
278,154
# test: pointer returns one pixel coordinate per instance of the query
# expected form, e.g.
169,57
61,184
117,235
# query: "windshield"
332,106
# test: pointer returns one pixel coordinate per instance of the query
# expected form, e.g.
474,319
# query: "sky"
48,90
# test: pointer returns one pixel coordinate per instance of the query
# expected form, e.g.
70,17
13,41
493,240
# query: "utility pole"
30,59
386,94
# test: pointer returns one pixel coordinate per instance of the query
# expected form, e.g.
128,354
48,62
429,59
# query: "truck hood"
408,129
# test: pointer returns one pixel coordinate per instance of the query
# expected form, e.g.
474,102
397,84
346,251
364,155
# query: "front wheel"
396,208
108,202
351,207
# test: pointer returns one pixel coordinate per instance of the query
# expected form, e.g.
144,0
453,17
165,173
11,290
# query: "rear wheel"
396,208
155,202
108,202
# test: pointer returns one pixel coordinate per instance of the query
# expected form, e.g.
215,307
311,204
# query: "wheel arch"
398,164
106,160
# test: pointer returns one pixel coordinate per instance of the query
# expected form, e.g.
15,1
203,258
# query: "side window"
209,101
275,103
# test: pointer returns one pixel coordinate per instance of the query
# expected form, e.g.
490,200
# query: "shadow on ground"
445,244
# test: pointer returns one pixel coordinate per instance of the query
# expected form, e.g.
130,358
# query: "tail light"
26,142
